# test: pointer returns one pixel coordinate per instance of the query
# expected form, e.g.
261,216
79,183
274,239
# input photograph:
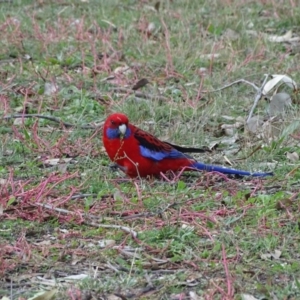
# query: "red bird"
140,154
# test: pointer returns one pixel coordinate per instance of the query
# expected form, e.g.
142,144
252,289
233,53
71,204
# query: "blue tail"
210,168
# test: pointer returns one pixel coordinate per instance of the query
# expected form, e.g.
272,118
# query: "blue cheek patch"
159,155
114,133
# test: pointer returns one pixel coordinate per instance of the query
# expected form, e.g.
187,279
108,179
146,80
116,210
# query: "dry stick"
257,98
230,290
54,119
235,82
67,212
79,196
139,94
246,157
151,214
167,46
258,92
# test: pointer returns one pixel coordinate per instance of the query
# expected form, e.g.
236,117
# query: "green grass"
200,233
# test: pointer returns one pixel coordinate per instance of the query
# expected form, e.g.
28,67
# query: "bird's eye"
112,122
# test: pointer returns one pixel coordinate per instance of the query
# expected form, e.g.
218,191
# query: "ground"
72,227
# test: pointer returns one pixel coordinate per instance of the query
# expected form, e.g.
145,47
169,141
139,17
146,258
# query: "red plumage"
139,153
125,152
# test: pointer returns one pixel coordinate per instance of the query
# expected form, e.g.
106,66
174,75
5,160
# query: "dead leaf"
294,156
141,83
203,71
7,152
43,243
73,277
194,296
213,145
62,168
113,297
123,70
231,35
18,121
50,88
248,297
150,28
210,56
106,243
56,161
236,125
284,204
157,5
276,81
230,141
265,256
252,32
283,38
231,152
271,129
278,103
52,161
254,124
3,181
275,255
187,227
230,129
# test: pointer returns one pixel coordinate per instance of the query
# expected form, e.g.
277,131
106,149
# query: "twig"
124,228
235,82
79,196
51,207
169,64
257,98
246,157
230,290
140,94
50,118
65,211
259,91
152,214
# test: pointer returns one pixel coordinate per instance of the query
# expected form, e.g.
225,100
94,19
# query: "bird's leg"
114,167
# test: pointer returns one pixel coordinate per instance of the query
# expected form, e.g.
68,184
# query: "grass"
64,212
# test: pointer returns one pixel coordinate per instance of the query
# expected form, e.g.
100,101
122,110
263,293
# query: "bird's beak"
122,129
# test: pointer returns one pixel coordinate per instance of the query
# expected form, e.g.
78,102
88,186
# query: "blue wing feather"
153,148
160,155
